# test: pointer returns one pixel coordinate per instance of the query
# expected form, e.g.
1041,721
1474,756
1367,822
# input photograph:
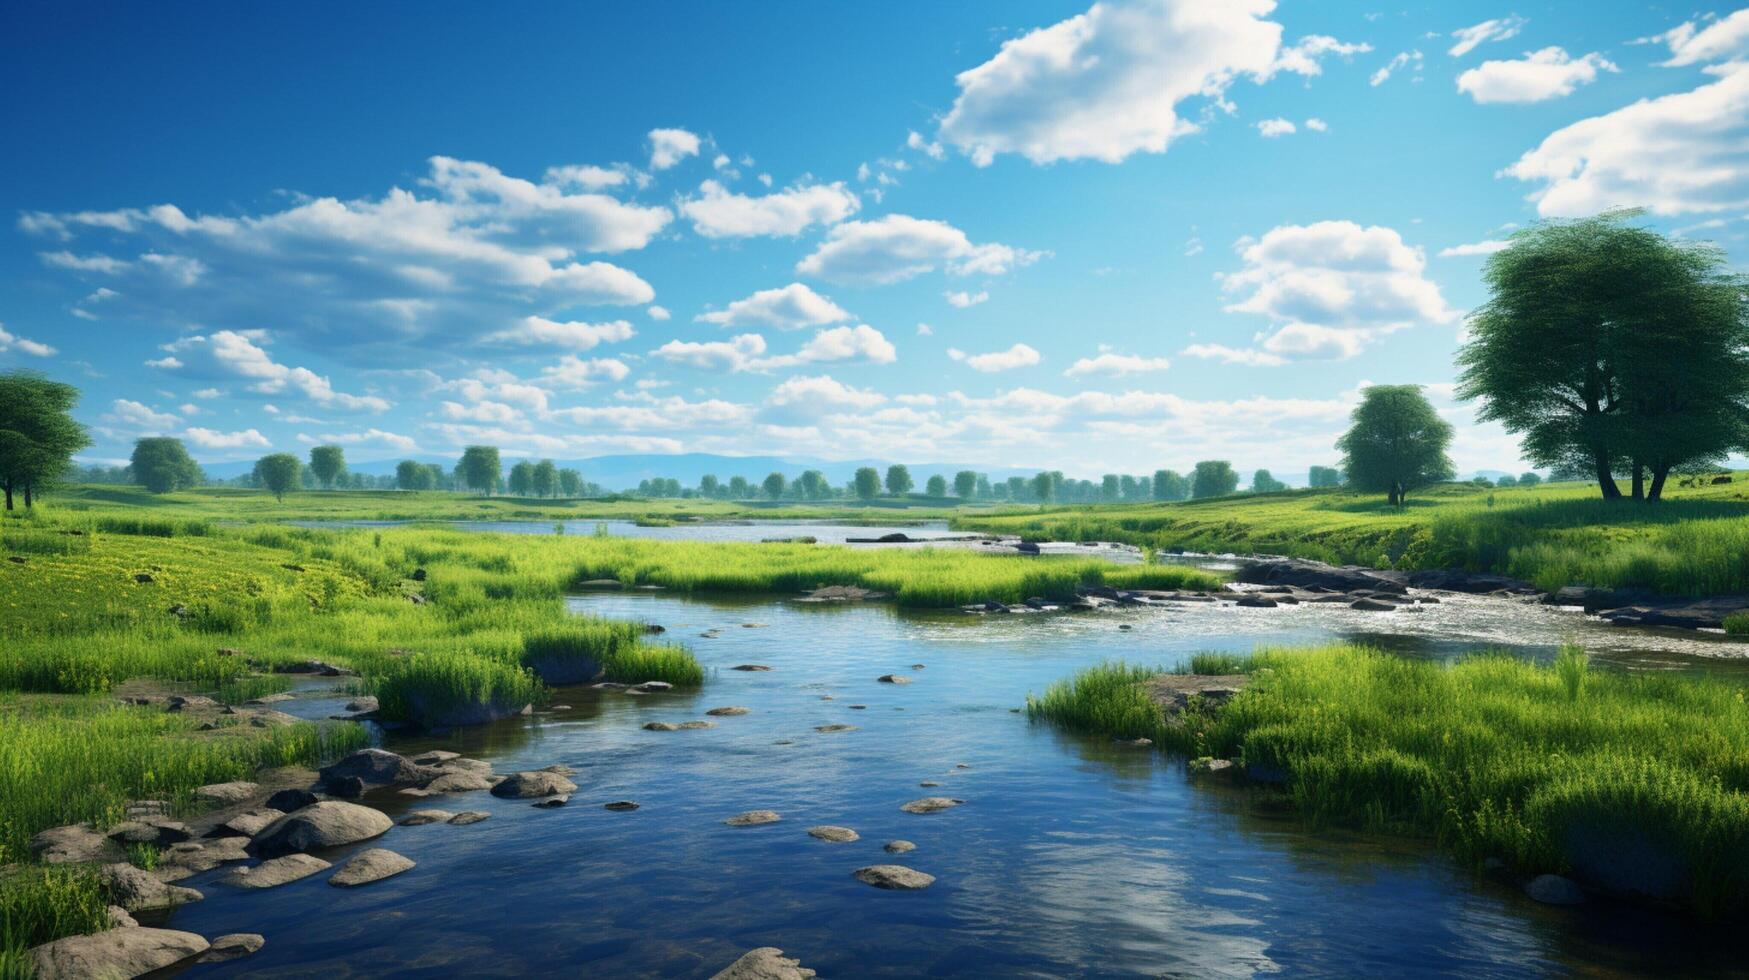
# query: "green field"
1695,542
1635,783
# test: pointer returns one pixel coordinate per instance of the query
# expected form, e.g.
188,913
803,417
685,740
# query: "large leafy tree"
965,484
162,464
1169,485
936,486
867,483
1396,444
280,473
1612,348
899,480
775,484
521,482
1213,478
38,436
570,483
327,463
814,485
546,478
479,469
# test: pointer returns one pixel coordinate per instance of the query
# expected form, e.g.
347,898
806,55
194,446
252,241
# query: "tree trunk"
27,501
1605,480
8,496
1659,473
1639,481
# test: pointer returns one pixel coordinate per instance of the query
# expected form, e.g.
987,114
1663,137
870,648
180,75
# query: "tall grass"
1548,768
1737,623
39,904
614,648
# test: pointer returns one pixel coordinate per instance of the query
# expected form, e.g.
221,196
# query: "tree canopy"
327,463
775,483
38,436
1264,482
162,464
867,483
899,479
479,469
1324,476
965,484
1611,348
1396,444
280,473
1170,485
1213,478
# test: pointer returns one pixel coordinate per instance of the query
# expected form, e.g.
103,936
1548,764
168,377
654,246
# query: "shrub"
1737,623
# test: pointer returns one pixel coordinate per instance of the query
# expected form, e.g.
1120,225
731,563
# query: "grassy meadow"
1552,768
1695,542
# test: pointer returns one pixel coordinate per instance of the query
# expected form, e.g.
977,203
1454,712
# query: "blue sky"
1106,238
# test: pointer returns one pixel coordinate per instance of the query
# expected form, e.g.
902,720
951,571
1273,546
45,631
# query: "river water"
1070,856
824,532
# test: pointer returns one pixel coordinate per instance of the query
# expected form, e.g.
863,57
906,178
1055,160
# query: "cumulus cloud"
1115,365
1498,29
933,150
1317,125
571,335
643,411
369,438
236,354
214,439
585,176
1270,128
899,247
718,212
1018,356
1485,247
1683,153
131,414
670,146
1328,289
1724,39
745,351
1537,77
10,341
658,312
962,299
806,398
791,307
713,355
576,372
1109,82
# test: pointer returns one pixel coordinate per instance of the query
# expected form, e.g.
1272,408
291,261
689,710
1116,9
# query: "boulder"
233,947
157,831
466,817
419,818
527,785
119,917
371,864
248,823
74,844
652,687
189,859
895,877
753,818
126,952
461,781
1173,692
226,794
1252,600
141,891
276,871
660,726
287,800
1304,574
834,835
1474,583
893,679
436,757
363,704
330,823
1372,605
764,963
1555,890
378,767
728,711
931,804
898,846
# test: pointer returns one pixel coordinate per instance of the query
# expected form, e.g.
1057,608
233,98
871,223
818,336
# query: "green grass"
619,649
1549,768
1737,623
39,904
1695,542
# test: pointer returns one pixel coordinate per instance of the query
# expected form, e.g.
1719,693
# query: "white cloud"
858,343
1397,63
570,335
1018,356
575,372
1234,355
134,415
369,438
84,263
1725,39
643,411
715,355
915,141
1304,57
790,307
1682,153
481,411
670,146
658,312
1498,29
1317,125
899,247
585,176
962,298
1109,82
804,398
214,439
1270,128
212,393
9,340
1115,365
1484,247
721,213
235,354
925,330
1328,289
1538,76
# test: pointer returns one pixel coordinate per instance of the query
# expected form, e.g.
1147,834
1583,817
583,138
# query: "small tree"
38,436
327,463
708,486
1213,478
1507,481
1169,485
898,480
936,486
1263,482
814,485
162,464
545,481
1109,487
479,469
1324,476
570,483
965,484
774,486
409,474
521,481
739,488
1397,443
279,473
1044,487
867,483
1530,479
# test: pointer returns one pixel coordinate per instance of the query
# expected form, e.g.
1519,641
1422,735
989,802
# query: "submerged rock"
620,806
419,818
126,952
552,802
1372,605
898,846
287,800
753,818
1555,890
893,679
750,667
330,823
894,877
377,767
466,817
834,835
931,804
728,711
233,947
370,865
764,963
834,728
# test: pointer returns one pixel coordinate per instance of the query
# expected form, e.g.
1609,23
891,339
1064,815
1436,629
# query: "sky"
1105,238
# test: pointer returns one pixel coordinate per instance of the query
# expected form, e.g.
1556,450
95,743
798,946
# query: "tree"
1044,487
38,436
1169,485
1530,479
936,486
983,491
1507,481
412,475
1324,476
1263,482
1612,348
570,483
898,480
965,484
520,483
867,483
1108,487
162,464
1397,443
1213,478
739,488
327,463
774,485
708,486
814,485
546,478
279,473
479,469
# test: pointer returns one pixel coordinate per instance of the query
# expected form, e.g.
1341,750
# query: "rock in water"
764,963
893,876
466,817
898,846
728,711
931,804
753,818
233,947
893,679
1372,605
287,800
553,802
527,785
126,952
419,818
834,835
278,871
377,767
834,728
370,865
620,806
330,823
1555,890
141,891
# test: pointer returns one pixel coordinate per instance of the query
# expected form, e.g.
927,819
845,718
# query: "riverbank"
1633,785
